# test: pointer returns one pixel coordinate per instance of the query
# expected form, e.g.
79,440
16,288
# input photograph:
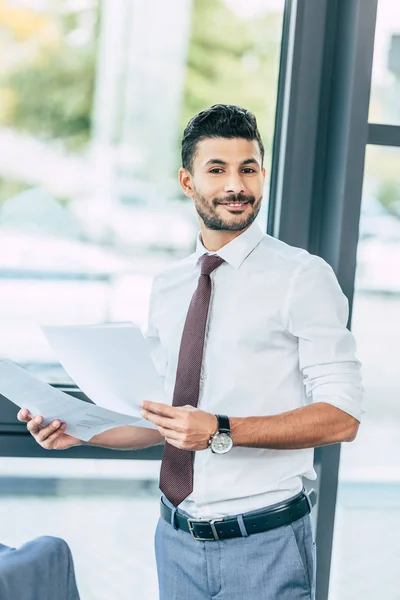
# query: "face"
227,182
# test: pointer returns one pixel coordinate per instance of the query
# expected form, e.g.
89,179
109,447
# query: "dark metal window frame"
16,441
384,135
318,171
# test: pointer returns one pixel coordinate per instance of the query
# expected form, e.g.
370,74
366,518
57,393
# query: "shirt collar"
237,249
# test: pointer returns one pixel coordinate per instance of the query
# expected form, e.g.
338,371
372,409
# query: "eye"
249,170
215,170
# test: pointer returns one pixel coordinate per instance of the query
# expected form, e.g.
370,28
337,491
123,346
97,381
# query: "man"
250,335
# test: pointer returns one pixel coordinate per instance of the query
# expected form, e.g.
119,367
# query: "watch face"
221,443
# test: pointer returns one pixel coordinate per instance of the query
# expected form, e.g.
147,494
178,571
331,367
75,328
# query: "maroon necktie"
176,476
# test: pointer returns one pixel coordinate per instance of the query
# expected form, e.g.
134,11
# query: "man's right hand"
51,437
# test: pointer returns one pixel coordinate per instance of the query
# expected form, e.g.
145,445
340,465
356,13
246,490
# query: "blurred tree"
48,86
382,167
54,99
10,188
389,196
233,60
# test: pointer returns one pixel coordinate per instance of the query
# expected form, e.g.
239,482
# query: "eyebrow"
218,161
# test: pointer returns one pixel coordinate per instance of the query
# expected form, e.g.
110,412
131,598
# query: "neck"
214,240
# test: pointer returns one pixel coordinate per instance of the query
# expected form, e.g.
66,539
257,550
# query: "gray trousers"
274,565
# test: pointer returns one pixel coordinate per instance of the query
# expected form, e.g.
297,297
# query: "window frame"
319,191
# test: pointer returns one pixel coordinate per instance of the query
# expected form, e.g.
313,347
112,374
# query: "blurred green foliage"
50,89
389,196
53,99
382,167
232,60
10,188
47,86
48,72
47,90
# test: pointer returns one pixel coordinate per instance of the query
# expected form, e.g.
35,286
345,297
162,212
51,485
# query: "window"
94,96
367,529
94,102
385,91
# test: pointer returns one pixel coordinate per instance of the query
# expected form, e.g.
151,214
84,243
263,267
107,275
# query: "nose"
234,184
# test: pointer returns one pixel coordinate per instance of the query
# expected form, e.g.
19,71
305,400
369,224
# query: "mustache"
235,198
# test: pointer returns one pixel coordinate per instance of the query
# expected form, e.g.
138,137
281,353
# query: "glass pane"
367,531
90,206
94,96
385,91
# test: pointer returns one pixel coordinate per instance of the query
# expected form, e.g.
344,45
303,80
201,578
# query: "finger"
173,435
49,442
174,442
46,432
166,422
24,415
159,409
34,425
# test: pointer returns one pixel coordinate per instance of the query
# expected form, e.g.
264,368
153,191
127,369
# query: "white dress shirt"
276,340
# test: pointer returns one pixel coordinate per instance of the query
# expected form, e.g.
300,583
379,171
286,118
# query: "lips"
234,206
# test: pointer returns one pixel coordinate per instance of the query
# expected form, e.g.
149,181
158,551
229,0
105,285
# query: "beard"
233,222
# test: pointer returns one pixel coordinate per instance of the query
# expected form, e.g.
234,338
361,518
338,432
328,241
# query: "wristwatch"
221,442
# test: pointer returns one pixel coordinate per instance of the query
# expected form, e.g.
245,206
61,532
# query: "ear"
186,181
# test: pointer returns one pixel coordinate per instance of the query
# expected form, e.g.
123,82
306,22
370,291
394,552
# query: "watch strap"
223,424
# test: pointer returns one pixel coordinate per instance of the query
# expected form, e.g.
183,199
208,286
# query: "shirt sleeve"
151,333
317,314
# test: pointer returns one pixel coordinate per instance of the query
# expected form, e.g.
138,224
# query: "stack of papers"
111,364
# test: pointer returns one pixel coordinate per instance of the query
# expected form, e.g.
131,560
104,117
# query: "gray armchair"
41,569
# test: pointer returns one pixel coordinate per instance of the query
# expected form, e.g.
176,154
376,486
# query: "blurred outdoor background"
94,97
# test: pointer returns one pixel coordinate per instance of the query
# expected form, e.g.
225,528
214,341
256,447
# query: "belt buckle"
210,522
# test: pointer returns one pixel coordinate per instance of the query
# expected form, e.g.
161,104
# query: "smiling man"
250,335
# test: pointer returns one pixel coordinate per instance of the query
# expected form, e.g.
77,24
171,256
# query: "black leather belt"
228,527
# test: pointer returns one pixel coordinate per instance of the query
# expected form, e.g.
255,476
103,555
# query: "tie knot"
209,262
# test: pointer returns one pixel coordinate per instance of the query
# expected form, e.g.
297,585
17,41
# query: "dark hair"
220,120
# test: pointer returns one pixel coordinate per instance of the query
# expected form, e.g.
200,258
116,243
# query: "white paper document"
111,364
83,420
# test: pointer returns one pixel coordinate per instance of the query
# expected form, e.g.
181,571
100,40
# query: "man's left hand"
184,427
